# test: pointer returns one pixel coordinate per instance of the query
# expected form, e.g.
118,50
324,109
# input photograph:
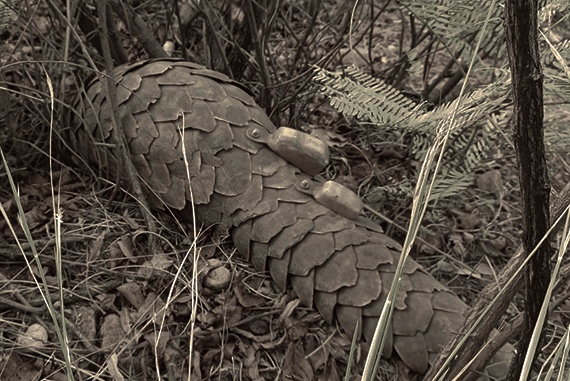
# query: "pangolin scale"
341,266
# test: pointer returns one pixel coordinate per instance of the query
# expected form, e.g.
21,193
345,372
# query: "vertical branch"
528,134
256,38
122,146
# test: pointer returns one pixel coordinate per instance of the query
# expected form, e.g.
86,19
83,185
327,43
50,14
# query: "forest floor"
243,321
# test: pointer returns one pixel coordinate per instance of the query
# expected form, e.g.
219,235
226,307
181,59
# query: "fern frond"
5,14
361,95
451,183
367,98
548,58
557,85
552,8
457,22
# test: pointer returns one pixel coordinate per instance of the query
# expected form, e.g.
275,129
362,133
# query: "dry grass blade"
58,319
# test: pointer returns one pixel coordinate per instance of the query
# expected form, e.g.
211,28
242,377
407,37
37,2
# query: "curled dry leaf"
247,298
126,246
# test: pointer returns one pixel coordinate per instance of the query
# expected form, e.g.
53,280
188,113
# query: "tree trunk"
528,134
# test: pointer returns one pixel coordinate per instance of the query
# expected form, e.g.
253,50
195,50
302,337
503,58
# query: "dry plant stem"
439,77
86,21
265,101
449,85
138,29
182,34
479,336
38,312
5,302
124,155
12,253
119,53
461,70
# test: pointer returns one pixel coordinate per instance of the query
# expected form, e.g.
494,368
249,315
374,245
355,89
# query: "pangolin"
262,182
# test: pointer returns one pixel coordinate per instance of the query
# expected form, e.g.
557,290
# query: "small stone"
490,181
35,337
218,279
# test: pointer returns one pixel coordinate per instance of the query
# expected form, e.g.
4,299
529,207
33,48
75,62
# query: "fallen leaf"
498,243
96,247
155,267
130,221
158,347
126,246
295,329
246,298
465,221
251,363
288,310
173,358
111,332
35,217
330,373
446,267
133,293
115,256
228,311
433,242
86,322
153,308
295,366
10,365
484,269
